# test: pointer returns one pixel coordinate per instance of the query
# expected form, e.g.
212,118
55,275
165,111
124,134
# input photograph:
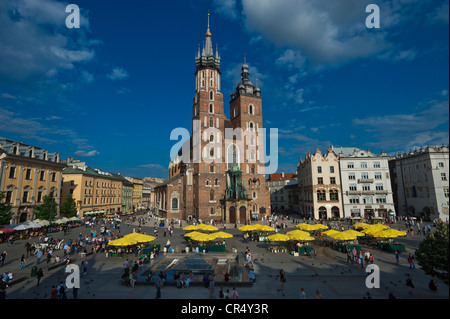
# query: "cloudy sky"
111,92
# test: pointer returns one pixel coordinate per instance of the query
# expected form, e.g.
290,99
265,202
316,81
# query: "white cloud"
118,74
87,154
228,8
428,125
8,96
153,166
35,45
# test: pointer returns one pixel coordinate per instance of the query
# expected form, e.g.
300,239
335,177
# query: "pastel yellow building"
27,174
92,189
138,185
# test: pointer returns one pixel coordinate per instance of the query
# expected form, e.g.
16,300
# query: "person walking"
211,288
39,275
411,261
38,257
22,262
234,294
282,277
3,257
158,287
54,293
75,293
409,283
302,293
397,257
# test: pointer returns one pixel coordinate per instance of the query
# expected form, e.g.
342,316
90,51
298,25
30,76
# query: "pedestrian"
84,265
3,257
38,256
54,293
433,285
75,292
251,275
39,275
62,291
318,295
349,256
158,287
409,283
211,288
302,293
282,277
411,261
234,294
397,257
22,262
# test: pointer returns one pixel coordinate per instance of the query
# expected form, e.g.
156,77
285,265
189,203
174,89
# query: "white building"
420,180
365,183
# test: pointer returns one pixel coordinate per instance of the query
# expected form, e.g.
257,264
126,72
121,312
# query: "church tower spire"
207,59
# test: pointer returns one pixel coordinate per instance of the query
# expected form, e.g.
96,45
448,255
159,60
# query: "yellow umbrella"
264,228
357,233
202,237
388,233
361,225
278,237
248,228
207,227
343,236
304,226
221,234
140,238
330,232
301,237
374,228
190,227
297,232
192,233
122,242
321,226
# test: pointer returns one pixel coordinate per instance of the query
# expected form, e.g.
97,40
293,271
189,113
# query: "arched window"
211,137
251,127
253,169
251,109
211,122
216,182
211,195
207,182
232,156
211,152
174,203
211,96
212,210
211,108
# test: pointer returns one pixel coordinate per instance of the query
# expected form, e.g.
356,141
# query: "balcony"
365,180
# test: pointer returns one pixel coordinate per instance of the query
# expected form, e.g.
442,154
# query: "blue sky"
111,92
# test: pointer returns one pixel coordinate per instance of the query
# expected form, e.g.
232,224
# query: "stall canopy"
122,242
221,234
25,225
278,237
6,230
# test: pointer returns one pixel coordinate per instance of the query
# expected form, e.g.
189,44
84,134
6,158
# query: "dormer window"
15,149
30,153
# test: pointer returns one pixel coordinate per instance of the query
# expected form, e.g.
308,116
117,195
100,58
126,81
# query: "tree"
47,210
433,252
69,207
5,210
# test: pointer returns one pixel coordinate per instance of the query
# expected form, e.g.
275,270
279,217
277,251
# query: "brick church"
219,172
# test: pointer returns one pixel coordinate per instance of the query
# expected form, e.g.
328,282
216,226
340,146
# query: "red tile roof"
279,176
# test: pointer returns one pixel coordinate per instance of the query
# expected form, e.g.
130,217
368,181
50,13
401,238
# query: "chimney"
282,174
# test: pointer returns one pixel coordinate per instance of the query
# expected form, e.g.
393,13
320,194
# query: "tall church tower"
208,127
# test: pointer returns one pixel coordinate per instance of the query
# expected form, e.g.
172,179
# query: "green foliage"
433,252
69,207
47,210
5,210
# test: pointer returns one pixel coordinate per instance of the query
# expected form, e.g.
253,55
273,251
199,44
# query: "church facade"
219,172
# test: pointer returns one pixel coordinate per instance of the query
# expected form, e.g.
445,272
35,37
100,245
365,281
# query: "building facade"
278,194
366,184
27,174
219,173
319,186
138,185
420,180
127,194
92,189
